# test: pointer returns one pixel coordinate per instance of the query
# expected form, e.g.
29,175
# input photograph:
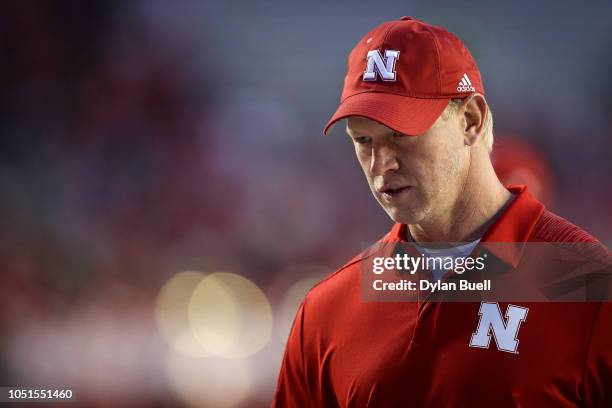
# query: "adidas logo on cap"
465,85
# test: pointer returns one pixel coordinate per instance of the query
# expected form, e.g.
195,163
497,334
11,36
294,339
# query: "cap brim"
410,116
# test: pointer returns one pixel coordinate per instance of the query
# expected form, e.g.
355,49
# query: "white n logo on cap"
386,69
505,333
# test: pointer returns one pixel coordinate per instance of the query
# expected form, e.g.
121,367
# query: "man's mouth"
393,193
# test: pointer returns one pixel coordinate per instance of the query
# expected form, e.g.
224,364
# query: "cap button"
406,18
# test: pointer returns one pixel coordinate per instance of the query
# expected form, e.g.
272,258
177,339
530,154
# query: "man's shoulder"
556,230
344,284
342,280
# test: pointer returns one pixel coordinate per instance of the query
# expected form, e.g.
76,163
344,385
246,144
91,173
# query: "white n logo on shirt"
505,332
386,69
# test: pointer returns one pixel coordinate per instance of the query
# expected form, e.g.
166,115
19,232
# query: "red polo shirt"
344,352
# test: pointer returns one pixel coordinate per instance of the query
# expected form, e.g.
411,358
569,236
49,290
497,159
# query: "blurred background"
168,197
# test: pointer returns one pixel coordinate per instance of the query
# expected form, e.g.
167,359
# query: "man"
415,110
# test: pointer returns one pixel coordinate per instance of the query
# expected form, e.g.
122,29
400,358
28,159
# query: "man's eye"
362,139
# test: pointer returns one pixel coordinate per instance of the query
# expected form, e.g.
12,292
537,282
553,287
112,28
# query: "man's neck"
482,199
468,223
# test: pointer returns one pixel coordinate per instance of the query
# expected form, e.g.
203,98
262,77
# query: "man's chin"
404,215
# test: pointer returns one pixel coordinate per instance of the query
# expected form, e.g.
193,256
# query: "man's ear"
474,114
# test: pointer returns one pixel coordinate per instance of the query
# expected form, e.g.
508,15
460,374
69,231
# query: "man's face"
415,179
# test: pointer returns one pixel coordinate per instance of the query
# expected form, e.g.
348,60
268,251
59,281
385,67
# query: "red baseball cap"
403,74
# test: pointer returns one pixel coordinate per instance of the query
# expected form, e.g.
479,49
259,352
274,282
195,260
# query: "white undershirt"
456,251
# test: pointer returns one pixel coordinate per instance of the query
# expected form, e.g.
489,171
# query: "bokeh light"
312,274
230,316
208,382
171,313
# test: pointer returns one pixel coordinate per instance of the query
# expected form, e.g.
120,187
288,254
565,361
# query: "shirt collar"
513,226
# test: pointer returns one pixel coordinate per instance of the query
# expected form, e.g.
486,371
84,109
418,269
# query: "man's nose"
384,159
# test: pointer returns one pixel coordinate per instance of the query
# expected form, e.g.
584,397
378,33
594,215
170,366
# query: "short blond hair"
453,108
